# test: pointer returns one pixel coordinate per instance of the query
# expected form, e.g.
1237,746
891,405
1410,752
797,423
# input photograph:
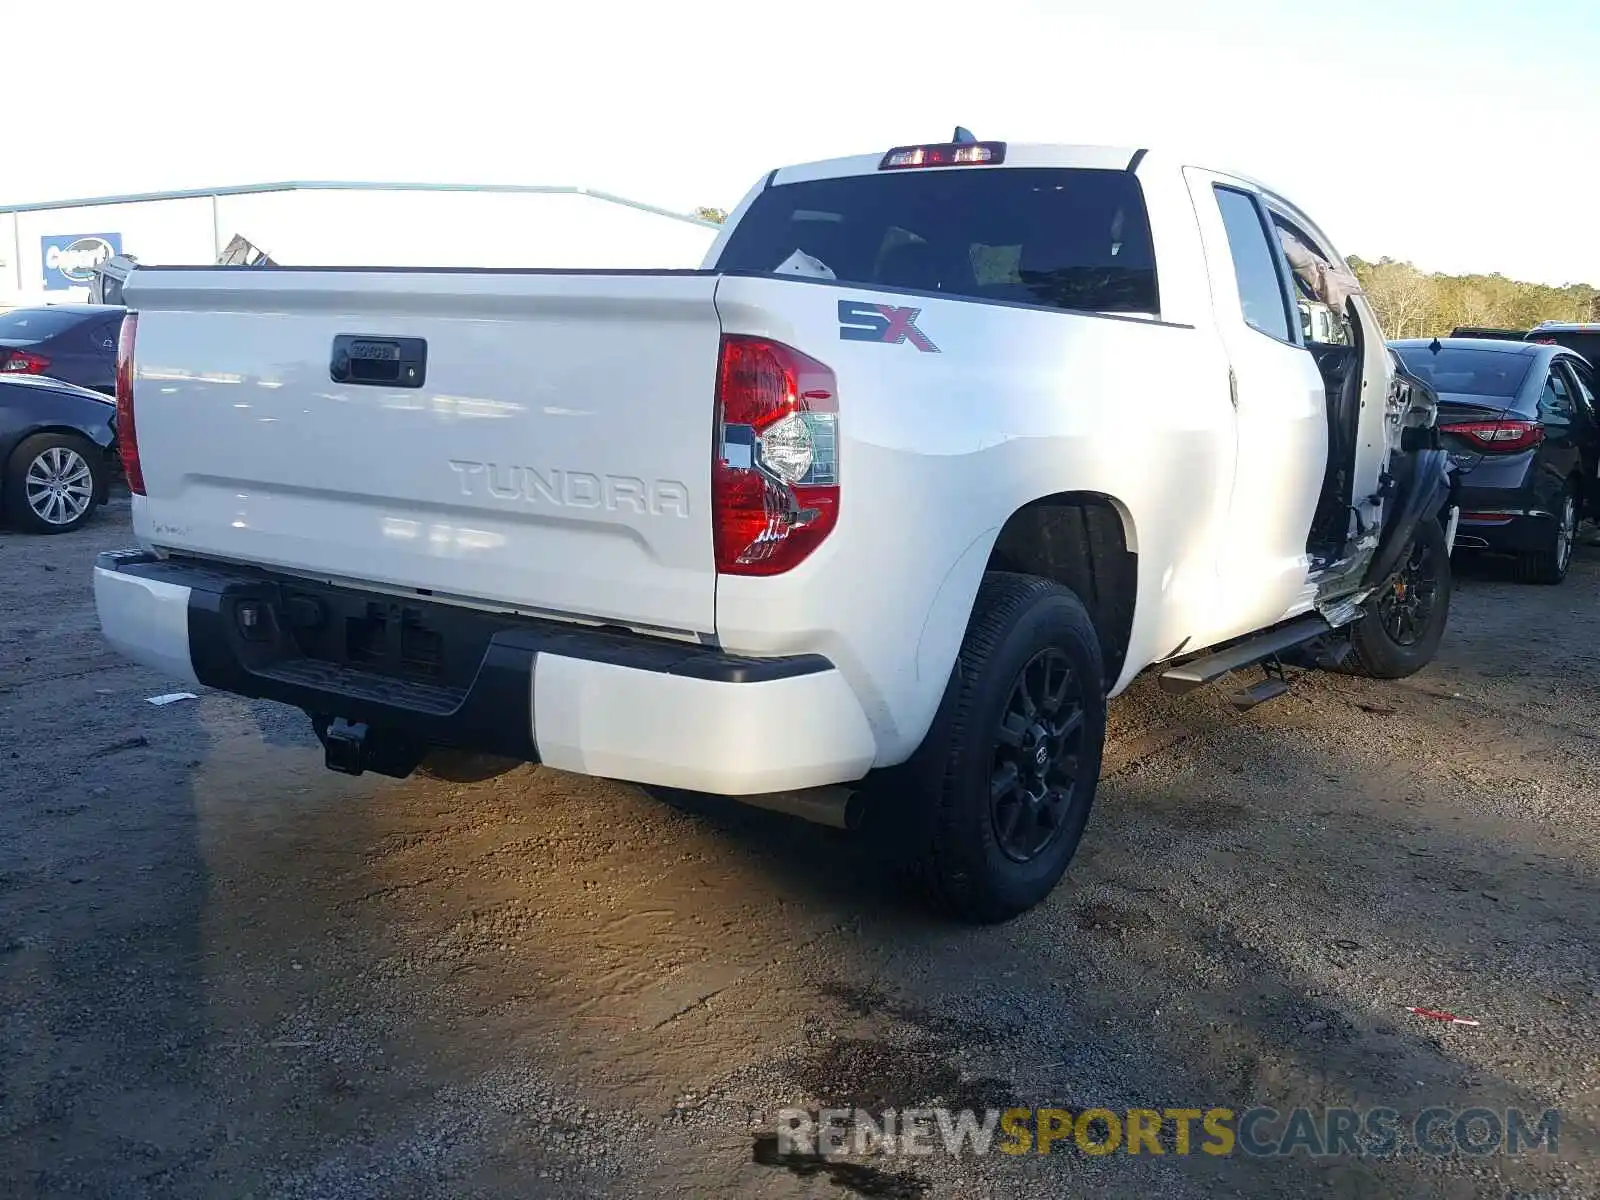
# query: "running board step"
1198,672
1269,688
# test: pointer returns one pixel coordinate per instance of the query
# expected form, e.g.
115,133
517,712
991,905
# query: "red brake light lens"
945,154
21,362
775,477
1498,437
127,435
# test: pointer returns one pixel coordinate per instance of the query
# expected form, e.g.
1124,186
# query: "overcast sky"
1461,135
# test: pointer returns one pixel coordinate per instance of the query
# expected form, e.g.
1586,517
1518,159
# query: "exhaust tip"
834,805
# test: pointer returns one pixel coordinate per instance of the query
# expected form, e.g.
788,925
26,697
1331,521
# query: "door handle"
378,361
1233,389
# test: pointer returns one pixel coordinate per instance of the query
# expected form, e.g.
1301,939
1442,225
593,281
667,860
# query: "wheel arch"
64,428
1086,541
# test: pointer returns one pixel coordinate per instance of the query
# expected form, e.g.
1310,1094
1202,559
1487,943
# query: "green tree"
1413,303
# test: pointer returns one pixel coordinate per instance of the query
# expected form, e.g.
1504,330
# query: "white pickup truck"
940,449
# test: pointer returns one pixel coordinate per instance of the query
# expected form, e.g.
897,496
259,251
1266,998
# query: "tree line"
1413,303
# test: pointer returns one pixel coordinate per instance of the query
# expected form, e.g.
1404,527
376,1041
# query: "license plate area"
411,640
394,639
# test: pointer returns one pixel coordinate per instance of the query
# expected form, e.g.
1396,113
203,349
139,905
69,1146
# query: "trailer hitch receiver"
354,747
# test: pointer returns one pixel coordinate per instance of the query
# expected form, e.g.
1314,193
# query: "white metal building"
48,251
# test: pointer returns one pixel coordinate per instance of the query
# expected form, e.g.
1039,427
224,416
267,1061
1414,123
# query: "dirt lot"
226,972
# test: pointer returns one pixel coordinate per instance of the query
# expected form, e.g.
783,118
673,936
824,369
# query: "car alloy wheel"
1406,608
1566,532
1033,784
59,486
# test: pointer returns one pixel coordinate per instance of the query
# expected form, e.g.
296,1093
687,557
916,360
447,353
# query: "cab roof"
1018,154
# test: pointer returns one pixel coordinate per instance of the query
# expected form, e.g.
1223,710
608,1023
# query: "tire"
1387,646
54,482
968,855
1548,565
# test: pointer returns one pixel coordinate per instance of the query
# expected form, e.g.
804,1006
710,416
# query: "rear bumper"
597,702
145,619
1513,519
1504,520
1521,535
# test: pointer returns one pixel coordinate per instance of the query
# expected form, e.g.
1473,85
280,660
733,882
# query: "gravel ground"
227,972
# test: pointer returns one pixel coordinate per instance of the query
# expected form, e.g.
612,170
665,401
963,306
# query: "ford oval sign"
69,260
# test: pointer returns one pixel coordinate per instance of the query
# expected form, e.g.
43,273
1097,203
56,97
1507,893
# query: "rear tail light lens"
21,362
775,478
127,435
1498,437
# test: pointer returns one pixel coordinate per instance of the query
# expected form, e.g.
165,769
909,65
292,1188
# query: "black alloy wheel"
1404,623
1033,785
1406,609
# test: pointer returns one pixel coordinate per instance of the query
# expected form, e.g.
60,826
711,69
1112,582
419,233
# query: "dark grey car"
57,447
75,343
1522,424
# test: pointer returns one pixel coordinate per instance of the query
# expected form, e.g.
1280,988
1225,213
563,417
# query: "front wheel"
990,809
1404,623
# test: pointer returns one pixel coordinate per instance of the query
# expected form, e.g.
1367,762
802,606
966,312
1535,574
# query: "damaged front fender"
1424,486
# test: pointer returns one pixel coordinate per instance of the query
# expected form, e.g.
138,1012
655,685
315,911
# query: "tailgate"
552,453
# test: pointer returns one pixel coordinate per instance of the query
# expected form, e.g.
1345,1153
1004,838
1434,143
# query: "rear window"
1069,239
1467,372
32,324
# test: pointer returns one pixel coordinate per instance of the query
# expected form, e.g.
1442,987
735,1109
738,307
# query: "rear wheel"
1549,563
53,482
1403,625
988,813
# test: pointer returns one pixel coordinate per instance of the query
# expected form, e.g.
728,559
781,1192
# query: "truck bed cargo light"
945,154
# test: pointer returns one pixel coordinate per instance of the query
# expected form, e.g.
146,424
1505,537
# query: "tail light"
21,362
775,477
1498,437
127,435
